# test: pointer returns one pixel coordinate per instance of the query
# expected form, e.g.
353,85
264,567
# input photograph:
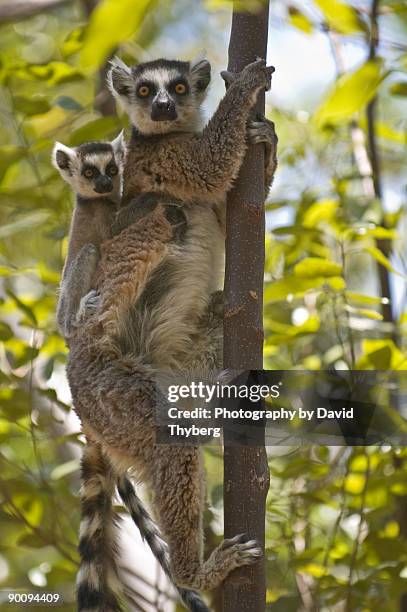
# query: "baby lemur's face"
93,169
163,95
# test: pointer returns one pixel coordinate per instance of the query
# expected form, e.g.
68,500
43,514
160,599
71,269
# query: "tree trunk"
246,477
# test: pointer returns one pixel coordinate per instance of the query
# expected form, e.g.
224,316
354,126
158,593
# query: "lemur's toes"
240,550
239,539
261,130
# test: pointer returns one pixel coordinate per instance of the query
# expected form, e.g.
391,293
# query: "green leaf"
299,20
381,355
341,17
360,298
384,130
111,23
8,155
5,331
25,223
365,312
55,73
324,210
94,130
68,103
350,94
296,286
30,106
381,258
14,403
23,308
312,267
355,483
65,469
399,89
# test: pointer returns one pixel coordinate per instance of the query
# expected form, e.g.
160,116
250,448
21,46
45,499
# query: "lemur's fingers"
258,73
87,307
261,130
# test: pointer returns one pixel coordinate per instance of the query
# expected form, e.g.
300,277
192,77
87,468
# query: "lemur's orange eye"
88,173
180,88
143,91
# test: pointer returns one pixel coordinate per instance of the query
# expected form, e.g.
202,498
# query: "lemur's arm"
75,286
260,130
204,165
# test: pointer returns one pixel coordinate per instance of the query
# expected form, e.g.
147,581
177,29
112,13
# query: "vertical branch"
384,245
246,476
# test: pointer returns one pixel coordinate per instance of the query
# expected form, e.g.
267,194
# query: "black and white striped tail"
151,535
97,584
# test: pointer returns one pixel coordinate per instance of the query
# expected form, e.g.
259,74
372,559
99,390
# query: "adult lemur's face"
163,95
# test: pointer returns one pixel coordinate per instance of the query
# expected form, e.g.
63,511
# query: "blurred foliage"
337,517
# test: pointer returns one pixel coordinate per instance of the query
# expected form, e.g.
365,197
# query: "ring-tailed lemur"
94,171
139,331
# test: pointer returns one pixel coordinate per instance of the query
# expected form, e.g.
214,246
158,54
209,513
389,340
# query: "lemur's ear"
201,74
62,158
119,78
119,146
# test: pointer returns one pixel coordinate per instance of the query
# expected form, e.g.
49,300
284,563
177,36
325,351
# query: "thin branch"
358,538
383,245
366,156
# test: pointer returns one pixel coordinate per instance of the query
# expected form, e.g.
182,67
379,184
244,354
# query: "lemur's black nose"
103,184
163,109
163,104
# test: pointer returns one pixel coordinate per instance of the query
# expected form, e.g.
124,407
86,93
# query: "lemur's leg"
262,130
120,400
125,271
178,492
76,283
97,583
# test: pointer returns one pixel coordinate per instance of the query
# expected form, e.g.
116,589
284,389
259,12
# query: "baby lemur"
161,324
94,171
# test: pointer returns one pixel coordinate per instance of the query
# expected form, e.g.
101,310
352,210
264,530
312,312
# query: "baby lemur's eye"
89,173
143,91
180,88
112,169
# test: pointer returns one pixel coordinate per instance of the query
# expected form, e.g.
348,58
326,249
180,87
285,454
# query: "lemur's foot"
240,551
87,307
177,219
229,555
255,75
262,130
